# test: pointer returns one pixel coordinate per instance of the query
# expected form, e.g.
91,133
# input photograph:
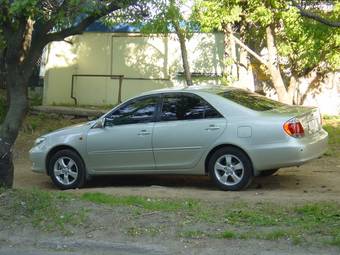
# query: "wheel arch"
216,148
59,148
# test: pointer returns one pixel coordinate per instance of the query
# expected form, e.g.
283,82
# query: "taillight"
294,128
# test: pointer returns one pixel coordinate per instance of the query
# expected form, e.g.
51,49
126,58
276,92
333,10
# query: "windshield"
251,100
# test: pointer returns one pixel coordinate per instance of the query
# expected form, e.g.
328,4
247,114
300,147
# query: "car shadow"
200,182
275,182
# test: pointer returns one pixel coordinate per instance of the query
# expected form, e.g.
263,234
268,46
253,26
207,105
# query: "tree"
169,18
296,47
163,17
26,27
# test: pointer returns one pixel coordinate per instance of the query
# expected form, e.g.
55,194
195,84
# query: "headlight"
39,140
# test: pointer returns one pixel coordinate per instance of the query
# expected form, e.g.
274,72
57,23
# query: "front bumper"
37,156
294,153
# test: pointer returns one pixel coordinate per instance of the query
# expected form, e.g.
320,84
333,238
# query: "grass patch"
44,210
139,231
142,202
44,123
276,234
227,234
266,221
305,223
332,126
192,234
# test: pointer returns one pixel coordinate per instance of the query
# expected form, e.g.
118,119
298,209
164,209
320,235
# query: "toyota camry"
229,134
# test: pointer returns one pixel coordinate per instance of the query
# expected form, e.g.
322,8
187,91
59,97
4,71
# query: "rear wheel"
67,170
230,169
268,172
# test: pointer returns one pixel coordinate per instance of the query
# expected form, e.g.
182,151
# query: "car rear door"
187,125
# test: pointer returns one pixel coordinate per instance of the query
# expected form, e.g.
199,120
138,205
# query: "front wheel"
67,170
230,169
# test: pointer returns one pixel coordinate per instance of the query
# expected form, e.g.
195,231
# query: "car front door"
187,125
125,143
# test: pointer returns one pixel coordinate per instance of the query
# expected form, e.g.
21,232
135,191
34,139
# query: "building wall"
147,62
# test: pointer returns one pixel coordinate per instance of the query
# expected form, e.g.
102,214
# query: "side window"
211,112
139,111
182,107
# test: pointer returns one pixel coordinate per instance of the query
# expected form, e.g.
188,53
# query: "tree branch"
250,51
82,25
315,17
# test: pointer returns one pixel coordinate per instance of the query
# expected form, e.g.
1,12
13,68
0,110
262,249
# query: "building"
92,64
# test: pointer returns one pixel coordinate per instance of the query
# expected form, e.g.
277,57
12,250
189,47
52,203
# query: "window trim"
189,94
133,100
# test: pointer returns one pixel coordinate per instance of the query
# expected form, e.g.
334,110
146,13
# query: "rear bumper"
294,153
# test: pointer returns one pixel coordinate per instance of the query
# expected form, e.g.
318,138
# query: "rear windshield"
251,100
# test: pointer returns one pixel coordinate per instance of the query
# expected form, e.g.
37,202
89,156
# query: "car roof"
193,89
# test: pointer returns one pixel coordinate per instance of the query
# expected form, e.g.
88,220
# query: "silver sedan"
230,134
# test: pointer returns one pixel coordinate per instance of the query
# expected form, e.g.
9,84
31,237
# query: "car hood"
78,128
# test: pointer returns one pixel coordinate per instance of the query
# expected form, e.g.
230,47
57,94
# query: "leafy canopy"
303,44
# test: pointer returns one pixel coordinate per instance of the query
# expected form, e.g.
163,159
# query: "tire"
268,172
231,169
67,170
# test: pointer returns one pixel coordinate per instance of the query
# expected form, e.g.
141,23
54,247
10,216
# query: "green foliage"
303,44
228,234
168,18
214,15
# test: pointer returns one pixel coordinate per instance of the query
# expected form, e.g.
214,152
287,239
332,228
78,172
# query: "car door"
186,127
125,143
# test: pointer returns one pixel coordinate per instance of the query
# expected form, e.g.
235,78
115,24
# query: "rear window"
251,100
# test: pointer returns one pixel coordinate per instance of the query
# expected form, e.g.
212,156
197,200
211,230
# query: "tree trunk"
6,166
184,54
274,69
18,105
230,54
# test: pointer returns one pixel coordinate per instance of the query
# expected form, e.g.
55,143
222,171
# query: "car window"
211,112
251,100
139,111
183,107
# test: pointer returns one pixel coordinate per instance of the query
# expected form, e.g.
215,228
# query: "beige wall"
148,62
139,58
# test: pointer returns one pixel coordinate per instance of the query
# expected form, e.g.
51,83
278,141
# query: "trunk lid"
309,117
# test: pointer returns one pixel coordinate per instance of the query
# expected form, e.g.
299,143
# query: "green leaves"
261,15
24,8
213,15
302,44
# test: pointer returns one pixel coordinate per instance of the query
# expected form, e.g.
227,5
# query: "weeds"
44,210
141,202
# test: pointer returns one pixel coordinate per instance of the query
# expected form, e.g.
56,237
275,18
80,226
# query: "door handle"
144,132
212,128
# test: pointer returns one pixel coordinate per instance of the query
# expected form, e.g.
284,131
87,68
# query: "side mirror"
100,123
